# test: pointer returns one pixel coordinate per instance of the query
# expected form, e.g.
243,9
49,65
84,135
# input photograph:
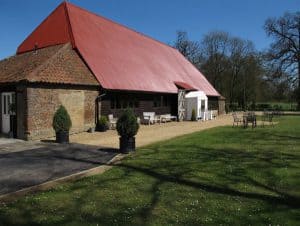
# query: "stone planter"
62,137
127,144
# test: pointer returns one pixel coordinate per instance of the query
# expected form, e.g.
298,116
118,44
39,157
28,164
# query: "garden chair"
267,117
157,118
249,117
236,119
166,118
112,121
149,118
214,114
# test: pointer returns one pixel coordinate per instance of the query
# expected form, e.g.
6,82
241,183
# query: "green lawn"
222,176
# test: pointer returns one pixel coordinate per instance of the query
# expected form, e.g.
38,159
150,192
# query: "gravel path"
149,134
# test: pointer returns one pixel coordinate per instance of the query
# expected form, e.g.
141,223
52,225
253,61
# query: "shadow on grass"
216,162
285,199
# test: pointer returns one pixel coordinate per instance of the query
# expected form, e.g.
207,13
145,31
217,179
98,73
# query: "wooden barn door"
181,104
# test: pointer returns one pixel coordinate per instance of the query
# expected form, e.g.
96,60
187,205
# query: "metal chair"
236,119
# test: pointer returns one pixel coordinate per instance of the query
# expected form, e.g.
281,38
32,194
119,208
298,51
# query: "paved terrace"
149,134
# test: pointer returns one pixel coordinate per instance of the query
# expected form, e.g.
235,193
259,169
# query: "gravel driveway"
153,133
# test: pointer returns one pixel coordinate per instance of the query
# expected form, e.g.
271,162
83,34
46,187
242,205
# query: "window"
136,103
157,101
165,101
123,102
118,103
113,103
130,104
202,105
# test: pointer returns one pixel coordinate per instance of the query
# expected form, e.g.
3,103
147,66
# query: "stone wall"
222,109
21,107
42,102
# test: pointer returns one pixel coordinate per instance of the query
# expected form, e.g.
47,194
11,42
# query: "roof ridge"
70,29
119,24
37,69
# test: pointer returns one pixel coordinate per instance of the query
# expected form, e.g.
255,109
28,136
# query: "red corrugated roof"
185,86
120,58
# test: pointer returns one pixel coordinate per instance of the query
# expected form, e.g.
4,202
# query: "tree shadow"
291,201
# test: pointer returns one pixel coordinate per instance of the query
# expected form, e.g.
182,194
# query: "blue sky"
159,19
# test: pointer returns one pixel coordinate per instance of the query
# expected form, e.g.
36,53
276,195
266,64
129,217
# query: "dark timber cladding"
114,102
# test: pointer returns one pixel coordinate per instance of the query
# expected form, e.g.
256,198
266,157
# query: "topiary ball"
127,125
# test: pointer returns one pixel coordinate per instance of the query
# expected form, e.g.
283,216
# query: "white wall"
190,104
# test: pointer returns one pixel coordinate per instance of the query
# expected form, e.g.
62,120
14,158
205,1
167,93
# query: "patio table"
249,117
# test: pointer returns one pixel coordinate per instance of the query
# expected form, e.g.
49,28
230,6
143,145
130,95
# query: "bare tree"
189,49
214,48
285,50
239,54
230,64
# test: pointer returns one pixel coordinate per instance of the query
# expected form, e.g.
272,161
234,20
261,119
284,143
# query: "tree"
285,49
227,63
240,53
187,48
214,48
230,64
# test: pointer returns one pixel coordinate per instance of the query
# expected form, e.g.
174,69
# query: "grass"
222,176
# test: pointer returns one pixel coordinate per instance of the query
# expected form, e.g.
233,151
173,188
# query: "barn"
93,66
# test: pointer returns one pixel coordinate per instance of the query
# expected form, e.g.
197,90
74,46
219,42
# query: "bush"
127,125
61,120
103,123
193,118
263,106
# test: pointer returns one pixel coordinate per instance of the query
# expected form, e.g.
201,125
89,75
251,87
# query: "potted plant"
62,124
193,117
127,128
102,125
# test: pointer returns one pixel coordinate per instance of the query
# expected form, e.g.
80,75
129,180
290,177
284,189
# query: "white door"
6,100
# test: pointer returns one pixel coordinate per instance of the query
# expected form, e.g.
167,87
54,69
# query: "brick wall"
43,102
